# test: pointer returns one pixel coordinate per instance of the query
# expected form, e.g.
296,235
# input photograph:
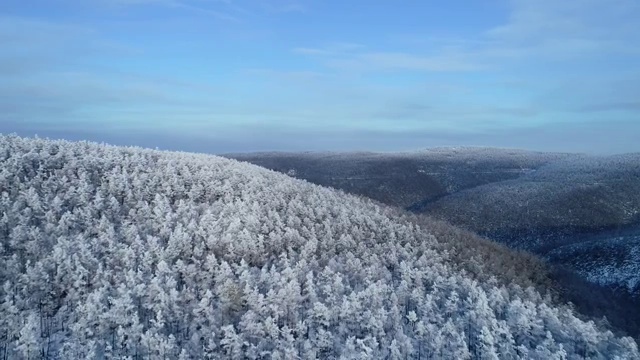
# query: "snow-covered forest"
111,252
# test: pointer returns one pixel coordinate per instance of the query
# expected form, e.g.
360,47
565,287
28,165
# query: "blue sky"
246,75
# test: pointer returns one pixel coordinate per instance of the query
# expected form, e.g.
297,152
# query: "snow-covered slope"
537,210
113,252
608,259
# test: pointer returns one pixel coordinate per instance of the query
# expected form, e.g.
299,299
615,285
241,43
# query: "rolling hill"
110,252
581,213
534,211
527,200
407,180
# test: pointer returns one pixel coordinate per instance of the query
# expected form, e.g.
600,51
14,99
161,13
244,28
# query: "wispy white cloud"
286,6
591,95
57,76
611,106
381,61
356,57
218,9
550,62
228,10
568,19
221,15
331,49
547,30
50,46
568,29
16,31
295,75
311,51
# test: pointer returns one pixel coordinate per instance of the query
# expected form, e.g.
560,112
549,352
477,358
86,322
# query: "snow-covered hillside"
606,259
538,210
111,252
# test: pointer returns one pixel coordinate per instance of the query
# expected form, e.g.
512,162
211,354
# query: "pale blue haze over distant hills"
240,75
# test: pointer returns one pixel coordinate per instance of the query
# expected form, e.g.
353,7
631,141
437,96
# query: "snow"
116,252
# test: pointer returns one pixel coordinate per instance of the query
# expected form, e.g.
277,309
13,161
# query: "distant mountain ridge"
405,179
590,193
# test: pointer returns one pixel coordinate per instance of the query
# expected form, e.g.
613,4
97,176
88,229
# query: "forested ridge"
579,212
405,179
112,252
540,209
